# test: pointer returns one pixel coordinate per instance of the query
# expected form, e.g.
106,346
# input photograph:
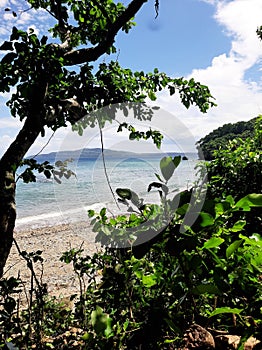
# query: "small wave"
43,180
58,217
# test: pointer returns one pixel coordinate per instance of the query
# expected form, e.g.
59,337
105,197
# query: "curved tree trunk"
7,214
8,165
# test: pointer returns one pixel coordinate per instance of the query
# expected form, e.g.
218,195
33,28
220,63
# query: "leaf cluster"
219,138
236,169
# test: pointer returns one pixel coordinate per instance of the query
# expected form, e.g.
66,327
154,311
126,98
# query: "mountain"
94,153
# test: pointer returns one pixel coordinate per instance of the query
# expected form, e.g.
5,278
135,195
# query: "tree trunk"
8,165
7,215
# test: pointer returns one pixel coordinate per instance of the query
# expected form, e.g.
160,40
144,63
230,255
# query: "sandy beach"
52,241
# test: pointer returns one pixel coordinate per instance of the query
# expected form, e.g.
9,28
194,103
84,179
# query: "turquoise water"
46,202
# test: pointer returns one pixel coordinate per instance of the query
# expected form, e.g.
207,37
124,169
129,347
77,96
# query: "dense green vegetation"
218,138
144,296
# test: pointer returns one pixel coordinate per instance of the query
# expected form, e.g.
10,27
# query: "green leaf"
81,19
59,163
225,310
124,193
207,219
183,209
100,320
102,212
157,185
251,200
86,336
219,209
238,226
158,177
152,96
8,58
255,239
230,200
7,46
213,242
176,161
108,330
149,280
135,199
167,167
233,247
91,213
133,135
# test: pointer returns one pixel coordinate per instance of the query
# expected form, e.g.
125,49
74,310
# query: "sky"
213,41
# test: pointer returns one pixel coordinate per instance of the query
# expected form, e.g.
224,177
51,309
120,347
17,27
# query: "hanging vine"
157,7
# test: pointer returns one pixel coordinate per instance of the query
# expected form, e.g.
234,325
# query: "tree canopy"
218,138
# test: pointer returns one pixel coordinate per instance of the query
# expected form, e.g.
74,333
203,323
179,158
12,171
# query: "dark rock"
197,337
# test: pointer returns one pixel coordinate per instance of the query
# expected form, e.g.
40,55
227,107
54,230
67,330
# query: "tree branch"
92,54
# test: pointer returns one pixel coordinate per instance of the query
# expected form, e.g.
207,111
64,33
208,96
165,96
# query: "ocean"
46,202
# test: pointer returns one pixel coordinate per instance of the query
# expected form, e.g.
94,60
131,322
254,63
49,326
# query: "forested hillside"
219,137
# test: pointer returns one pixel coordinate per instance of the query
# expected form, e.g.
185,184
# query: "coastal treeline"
218,138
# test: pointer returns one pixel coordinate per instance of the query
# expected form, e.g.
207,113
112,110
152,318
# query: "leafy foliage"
219,138
56,171
236,170
135,297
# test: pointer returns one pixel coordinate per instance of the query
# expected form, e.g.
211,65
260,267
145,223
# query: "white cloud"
4,31
8,16
10,123
211,2
26,18
237,98
5,141
3,3
5,96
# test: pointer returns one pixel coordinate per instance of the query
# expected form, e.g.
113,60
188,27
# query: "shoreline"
52,241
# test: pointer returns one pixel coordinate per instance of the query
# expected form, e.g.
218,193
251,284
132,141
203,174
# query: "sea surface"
46,202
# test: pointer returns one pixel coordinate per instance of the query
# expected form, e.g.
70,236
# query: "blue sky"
176,41
213,41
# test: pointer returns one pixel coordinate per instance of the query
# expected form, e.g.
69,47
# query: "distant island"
95,153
